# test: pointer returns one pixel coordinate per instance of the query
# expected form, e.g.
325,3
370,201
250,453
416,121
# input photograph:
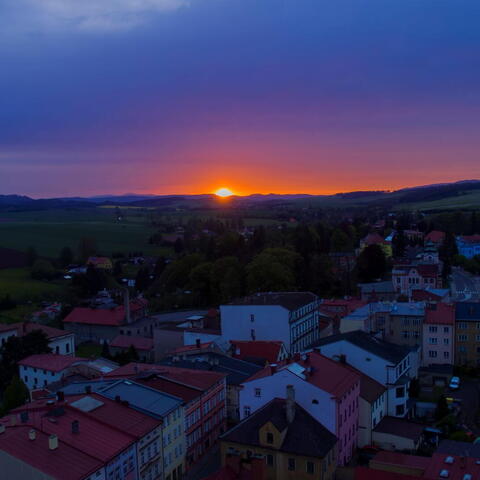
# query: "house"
364,473
38,371
161,406
236,371
143,346
240,468
398,434
102,263
468,245
293,443
376,239
61,342
295,316
407,278
431,295
436,237
438,334
326,389
404,323
377,291
203,394
56,440
467,333
258,351
402,463
391,365
103,323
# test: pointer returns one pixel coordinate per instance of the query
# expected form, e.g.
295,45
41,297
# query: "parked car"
454,383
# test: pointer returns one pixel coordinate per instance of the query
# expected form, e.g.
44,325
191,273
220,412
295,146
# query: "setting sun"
224,192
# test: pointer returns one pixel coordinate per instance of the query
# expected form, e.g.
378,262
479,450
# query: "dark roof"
289,300
400,427
237,370
370,389
305,435
467,311
378,287
460,449
386,350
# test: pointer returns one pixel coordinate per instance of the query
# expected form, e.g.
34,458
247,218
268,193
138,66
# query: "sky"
284,96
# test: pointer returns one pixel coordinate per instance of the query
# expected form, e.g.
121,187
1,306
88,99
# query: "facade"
294,314
438,334
467,334
294,444
143,346
102,263
391,365
468,245
398,434
404,323
159,405
326,389
407,278
38,371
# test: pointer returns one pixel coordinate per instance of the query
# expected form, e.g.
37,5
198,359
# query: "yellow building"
102,263
293,444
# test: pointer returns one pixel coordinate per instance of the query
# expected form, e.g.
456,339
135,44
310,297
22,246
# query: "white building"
291,317
391,365
38,371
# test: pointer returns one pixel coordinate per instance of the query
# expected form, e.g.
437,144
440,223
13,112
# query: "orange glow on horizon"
223,192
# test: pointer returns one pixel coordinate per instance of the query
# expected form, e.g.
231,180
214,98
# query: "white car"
454,383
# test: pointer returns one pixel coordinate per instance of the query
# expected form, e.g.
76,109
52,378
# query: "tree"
340,241
178,246
66,256
86,248
117,268
142,279
31,256
42,270
414,389
371,263
442,409
7,303
105,350
399,243
16,394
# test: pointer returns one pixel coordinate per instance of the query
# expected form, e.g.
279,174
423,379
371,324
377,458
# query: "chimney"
273,368
126,305
52,442
32,434
290,404
75,426
198,343
88,389
60,396
117,398
343,358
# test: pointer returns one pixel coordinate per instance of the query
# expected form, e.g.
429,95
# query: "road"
465,287
469,393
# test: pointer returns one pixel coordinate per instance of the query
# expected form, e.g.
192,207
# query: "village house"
144,347
293,314
468,245
467,334
438,334
258,351
376,239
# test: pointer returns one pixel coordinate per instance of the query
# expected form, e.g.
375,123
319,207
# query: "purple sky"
186,96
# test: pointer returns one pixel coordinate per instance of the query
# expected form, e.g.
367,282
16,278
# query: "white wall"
190,338
29,374
275,386
270,322
66,345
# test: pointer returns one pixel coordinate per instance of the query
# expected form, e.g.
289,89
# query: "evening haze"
190,96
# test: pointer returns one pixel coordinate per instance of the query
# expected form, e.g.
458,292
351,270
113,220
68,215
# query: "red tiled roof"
471,238
427,270
440,314
402,459
456,470
8,328
50,332
435,236
185,392
64,463
50,361
103,316
269,350
364,473
193,378
419,295
125,341
189,348
373,239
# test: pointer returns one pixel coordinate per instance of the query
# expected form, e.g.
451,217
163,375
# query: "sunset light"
224,192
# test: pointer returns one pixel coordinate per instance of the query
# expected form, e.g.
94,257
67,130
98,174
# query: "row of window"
434,329
434,341
434,354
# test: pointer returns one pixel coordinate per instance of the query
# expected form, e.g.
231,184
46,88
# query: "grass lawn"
88,350
17,314
17,283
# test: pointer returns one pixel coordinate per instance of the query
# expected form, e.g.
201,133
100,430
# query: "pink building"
325,388
407,278
438,334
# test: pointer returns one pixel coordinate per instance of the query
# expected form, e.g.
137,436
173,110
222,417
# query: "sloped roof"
125,341
386,350
304,436
435,236
467,311
51,333
370,389
268,350
289,300
400,427
440,314
50,361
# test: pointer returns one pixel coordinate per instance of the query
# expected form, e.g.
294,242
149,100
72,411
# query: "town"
329,349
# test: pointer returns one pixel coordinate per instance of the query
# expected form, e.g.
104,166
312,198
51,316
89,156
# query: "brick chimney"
290,404
32,434
52,442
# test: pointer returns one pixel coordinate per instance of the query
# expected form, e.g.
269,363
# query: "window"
291,464
399,410
432,341
432,329
269,460
258,392
462,325
462,349
57,349
462,338
310,467
432,354
67,348
246,411
269,437
400,392
446,329
446,355
252,317
446,341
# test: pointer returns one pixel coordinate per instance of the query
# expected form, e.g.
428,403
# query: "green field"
51,230
470,199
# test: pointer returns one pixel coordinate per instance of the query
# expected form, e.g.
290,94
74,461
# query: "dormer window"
269,437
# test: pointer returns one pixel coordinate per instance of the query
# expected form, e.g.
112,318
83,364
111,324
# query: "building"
60,341
436,237
144,347
258,351
236,371
161,406
376,239
467,333
438,334
293,443
295,316
468,245
393,366
403,323
38,371
237,467
103,323
377,291
102,263
398,434
407,278
326,389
